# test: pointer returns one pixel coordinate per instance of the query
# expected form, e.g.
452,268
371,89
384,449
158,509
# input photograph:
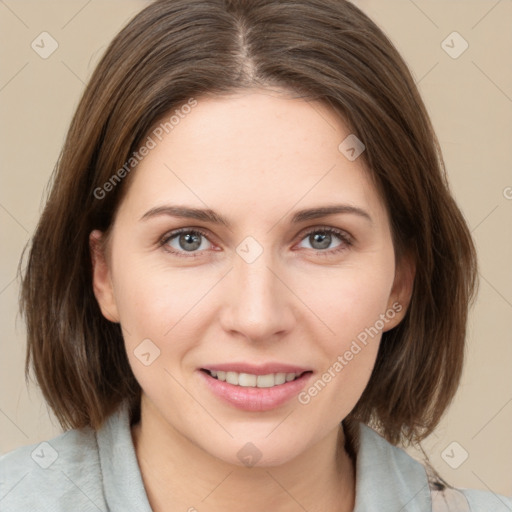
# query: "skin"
256,157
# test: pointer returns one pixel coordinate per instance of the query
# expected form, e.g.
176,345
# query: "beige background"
470,102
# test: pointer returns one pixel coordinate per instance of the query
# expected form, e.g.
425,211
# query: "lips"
255,388
264,369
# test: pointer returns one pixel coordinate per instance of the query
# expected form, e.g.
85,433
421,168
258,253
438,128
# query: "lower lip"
255,399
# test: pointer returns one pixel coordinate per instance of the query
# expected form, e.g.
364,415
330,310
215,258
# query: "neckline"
386,477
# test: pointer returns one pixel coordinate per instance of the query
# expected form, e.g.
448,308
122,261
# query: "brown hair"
325,50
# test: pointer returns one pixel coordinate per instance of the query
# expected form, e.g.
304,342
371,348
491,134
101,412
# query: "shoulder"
387,477
469,500
64,470
387,474
484,501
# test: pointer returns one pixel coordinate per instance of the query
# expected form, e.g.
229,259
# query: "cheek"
351,300
355,308
168,307
151,297
142,303
349,354
153,313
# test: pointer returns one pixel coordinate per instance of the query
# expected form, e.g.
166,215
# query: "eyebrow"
208,215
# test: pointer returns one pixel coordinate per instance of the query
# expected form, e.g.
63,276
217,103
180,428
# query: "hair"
320,50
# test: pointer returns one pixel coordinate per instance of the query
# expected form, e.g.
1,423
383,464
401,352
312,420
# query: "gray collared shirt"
84,470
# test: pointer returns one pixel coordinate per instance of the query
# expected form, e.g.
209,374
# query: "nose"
258,305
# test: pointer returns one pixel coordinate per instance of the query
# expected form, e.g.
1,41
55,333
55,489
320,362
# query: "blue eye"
322,238
187,242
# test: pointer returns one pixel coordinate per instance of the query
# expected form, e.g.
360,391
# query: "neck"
179,475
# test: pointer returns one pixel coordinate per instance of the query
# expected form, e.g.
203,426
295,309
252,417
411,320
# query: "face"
263,289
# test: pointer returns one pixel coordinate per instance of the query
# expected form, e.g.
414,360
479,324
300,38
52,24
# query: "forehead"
256,151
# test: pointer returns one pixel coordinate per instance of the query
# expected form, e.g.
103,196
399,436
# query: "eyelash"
344,237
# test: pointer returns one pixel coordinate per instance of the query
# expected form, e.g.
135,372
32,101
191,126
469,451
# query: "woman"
249,257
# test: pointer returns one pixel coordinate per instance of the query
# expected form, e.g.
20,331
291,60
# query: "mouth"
255,388
255,392
253,380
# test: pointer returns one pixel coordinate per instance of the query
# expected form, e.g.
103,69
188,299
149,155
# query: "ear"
101,279
401,292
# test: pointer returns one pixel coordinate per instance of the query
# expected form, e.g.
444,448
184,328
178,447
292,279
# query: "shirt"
88,470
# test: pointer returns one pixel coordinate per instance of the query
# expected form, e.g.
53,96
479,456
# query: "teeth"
232,378
280,378
248,380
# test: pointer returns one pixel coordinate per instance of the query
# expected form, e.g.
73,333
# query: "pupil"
324,240
192,241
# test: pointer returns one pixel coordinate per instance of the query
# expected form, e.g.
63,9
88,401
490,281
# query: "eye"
188,242
185,240
322,238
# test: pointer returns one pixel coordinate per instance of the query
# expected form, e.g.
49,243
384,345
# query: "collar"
122,481
387,478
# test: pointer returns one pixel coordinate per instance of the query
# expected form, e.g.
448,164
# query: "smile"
249,380
254,392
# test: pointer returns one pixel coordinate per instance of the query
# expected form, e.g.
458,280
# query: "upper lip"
262,369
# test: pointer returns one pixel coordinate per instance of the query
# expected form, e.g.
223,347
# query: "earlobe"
401,293
101,279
